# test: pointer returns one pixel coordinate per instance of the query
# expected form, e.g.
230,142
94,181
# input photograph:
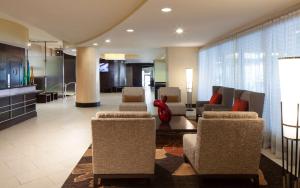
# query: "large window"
249,61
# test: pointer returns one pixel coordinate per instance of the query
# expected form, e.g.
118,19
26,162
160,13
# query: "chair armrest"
201,103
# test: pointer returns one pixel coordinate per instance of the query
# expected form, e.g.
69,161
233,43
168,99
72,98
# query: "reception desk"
17,105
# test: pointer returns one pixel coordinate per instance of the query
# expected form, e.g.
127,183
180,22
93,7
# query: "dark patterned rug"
171,171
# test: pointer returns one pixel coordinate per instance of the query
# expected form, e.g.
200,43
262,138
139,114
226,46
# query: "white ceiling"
96,20
202,21
70,20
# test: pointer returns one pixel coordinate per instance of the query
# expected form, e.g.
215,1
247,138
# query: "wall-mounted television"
103,67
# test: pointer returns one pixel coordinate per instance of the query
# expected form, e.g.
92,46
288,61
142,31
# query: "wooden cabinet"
17,107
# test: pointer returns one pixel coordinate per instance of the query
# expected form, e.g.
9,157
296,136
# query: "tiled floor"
41,152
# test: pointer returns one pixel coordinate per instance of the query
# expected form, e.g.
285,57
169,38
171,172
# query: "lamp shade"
189,79
289,74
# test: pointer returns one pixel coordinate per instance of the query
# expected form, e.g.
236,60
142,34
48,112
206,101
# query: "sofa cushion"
131,98
240,105
229,115
123,114
216,98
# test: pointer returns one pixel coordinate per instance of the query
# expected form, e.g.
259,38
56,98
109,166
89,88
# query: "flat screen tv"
103,67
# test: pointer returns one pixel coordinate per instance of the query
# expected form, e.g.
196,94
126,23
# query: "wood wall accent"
70,70
115,77
137,80
12,60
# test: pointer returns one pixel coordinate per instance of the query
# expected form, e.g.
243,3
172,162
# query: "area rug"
171,171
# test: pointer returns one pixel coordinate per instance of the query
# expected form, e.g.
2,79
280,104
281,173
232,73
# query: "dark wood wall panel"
114,78
70,70
137,68
12,60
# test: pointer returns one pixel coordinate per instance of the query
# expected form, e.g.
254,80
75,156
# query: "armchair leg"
185,159
200,181
150,180
96,181
256,181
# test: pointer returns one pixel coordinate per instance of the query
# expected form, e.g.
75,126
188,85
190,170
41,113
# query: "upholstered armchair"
225,102
255,100
226,144
123,145
173,100
133,99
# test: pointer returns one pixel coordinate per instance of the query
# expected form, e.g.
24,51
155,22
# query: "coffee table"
170,134
178,124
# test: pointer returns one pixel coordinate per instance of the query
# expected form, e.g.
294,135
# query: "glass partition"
160,71
54,74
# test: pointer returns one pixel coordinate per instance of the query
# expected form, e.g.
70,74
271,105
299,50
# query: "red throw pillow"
216,98
240,105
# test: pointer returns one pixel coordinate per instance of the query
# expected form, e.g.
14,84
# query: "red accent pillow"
240,105
216,98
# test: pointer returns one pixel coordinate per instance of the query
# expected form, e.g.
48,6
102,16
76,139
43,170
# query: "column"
87,77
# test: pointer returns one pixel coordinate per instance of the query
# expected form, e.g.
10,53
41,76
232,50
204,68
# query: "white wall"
178,59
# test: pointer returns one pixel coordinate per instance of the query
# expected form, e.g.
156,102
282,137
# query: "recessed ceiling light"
107,40
29,44
130,30
166,9
73,50
179,30
95,44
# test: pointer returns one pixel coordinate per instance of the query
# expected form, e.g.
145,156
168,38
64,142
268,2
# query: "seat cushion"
131,98
229,115
177,108
189,146
133,106
171,98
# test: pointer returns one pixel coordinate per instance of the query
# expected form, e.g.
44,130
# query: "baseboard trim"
87,105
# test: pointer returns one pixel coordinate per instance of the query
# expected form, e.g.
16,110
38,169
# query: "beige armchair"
174,99
133,99
226,144
123,145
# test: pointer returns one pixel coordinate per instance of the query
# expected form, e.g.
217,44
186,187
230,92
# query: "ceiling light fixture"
95,44
179,30
130,30
107,40
166,9
29,44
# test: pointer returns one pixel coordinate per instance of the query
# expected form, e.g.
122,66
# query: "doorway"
147,74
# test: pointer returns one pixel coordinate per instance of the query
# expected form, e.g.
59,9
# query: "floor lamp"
189,88
290,99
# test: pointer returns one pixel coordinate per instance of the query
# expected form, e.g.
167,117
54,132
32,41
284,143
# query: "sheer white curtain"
250,61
